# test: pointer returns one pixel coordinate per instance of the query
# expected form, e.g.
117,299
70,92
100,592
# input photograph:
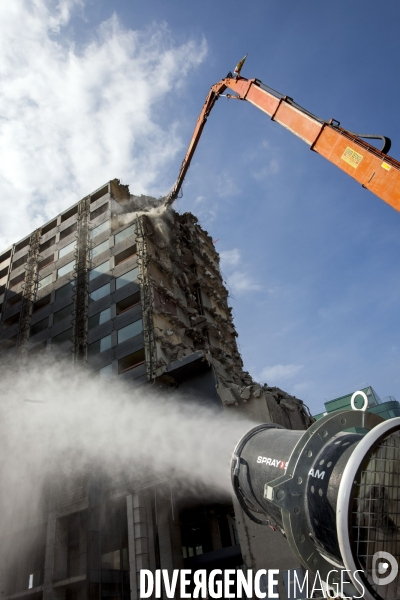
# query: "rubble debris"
185,303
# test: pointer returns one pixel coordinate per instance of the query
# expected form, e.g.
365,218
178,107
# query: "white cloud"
239,280
270,169
279,372
226,186
71,119
205,210
230,257
303,387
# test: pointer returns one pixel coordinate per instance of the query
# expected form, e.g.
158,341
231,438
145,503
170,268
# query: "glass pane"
46,280
66,269
99,211
103,268
105,290
61,314
63,291
128,303
99,318
99,346
111,561
106,372
122,235
67,249
130,331
40,326
62,337
97,230
126,278
125,559
131,361
105,343
99,249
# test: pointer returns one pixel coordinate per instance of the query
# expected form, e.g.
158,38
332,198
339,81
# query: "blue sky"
99,89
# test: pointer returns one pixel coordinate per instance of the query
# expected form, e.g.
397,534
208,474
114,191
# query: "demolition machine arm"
372,168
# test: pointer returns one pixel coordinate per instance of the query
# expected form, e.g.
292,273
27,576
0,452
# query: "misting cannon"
333,491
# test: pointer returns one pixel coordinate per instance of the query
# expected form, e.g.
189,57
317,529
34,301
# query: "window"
5,256
39,326
99,270
111,561
68,231
67,249
99,346
99,318
126,278
17,279
130,331
63,291
50,242
66,269
99,194
99,249
46,280
21,261
122,235
100,229
7,344
125,254
128,303
11,321
131,361
38,349
3,272
70,213
41,303
106,372
105,290
14,300
62,337
22,244
46,261
99,211
64,312
49,227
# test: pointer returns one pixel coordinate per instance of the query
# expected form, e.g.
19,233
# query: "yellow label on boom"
352,157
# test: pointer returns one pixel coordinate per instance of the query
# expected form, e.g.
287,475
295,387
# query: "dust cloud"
57,422
156,209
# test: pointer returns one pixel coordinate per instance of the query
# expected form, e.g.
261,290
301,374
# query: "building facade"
130,290
387,407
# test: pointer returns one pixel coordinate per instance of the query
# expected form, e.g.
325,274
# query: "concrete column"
169,534
49,557
138,539
151,529
10,547
164,536
60,562
132,549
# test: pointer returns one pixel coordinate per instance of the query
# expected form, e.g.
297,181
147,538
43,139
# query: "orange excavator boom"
372,168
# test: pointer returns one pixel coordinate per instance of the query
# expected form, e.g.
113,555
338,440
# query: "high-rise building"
135,292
